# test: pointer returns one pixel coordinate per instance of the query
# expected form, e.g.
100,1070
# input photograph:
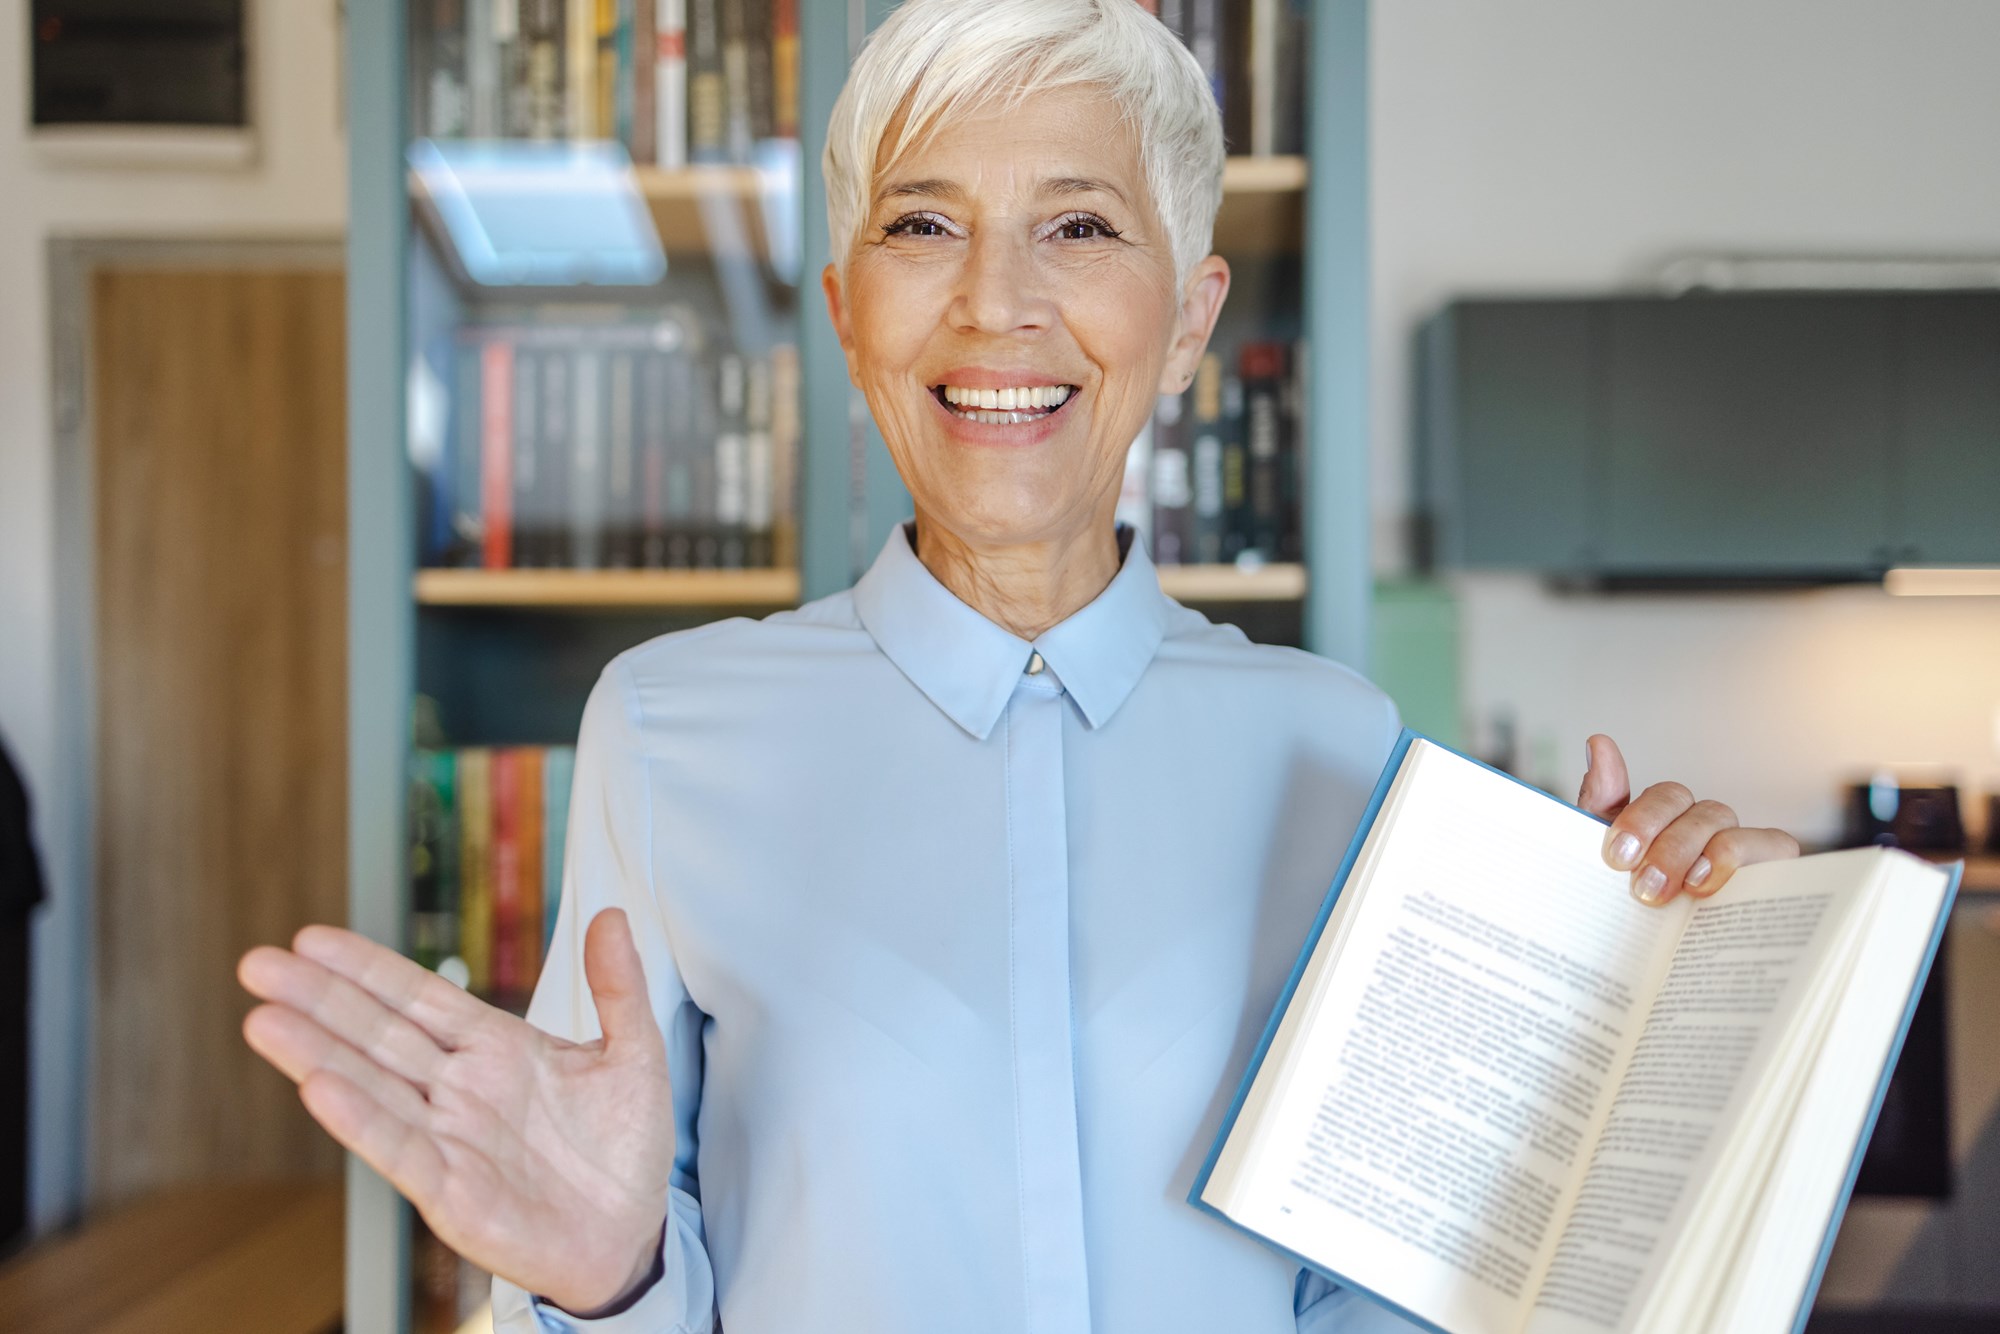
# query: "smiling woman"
942,1048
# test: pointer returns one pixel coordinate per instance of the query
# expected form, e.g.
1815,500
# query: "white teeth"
1020,398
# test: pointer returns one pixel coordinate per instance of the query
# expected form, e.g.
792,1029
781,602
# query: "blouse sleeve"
1324,1307
607,863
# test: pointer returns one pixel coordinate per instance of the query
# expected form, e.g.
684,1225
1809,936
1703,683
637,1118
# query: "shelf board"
1229,583
584,590
1263,206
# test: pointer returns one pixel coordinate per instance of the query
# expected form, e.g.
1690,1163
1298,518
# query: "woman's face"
1010,311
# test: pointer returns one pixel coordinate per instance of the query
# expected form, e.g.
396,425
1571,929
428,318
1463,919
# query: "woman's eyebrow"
932,188
1081,185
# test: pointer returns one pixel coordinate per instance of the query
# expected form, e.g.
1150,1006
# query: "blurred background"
370,374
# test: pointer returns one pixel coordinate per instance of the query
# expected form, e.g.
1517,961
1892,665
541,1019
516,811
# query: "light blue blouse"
961,944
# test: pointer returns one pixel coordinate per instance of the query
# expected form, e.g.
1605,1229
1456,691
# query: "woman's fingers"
618,982
344,1010
1672,861
398,1149
1606,785
300,1048
441,1009
1732,849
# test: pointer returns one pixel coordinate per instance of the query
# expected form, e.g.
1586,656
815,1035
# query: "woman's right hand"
543,1161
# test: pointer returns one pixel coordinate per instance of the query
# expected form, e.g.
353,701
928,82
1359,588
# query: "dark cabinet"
1760,436
1947,445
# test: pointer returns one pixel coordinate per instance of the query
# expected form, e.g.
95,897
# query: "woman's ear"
836,309
1201,304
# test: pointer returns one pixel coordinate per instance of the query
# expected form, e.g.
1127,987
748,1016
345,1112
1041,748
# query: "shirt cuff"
680,1299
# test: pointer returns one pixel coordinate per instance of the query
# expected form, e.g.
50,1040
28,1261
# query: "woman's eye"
1084,227
916,224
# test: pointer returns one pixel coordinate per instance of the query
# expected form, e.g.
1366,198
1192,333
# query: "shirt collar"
968,666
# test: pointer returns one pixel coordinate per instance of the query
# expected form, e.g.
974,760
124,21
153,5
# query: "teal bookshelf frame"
837,534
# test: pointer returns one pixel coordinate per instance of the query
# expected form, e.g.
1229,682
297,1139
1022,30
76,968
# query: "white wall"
297,189
1572,145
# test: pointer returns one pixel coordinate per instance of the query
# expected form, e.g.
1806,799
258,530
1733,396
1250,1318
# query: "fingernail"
1697,873
1625,851
1586,757
1648,885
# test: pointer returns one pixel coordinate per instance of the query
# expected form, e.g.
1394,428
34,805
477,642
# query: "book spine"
1263,368
702,452
604,117
507,974
1172,488
433,937
1289,97
482,71
1235,471
760,77
558,773
530,523
643,63
731,462
580,74
586,480
1204,40
670,90
737,122
1262,60
653,455
785,68
1238,88
1205,461
475,862
1292,458
542,101
529,833
621,507
447,95
510,55
553,449
496,483
707,98
757,465
784,456
683,400
466,544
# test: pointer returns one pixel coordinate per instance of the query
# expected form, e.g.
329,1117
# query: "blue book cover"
1371,812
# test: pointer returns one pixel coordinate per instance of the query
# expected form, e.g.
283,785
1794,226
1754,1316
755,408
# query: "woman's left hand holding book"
543,1161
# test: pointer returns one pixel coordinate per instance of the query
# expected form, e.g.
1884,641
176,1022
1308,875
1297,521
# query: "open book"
1502,1097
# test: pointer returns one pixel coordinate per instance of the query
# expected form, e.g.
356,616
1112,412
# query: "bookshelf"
516,634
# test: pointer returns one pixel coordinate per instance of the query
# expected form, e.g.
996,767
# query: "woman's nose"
1000,288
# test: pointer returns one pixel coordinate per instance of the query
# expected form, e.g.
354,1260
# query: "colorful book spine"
553,449
1263,368
475,823
1205,461
466,544
1235,471
670,84
542,68
496,497
434,854
508,976
604,111
1173,486
525,940
642,64
785,68
530,524
580,72
707,96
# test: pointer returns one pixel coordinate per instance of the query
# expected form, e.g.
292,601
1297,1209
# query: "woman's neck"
1023,589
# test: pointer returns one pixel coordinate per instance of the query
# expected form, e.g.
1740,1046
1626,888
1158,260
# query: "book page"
1437,1112
1743,966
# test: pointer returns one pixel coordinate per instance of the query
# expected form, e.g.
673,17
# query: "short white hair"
934,57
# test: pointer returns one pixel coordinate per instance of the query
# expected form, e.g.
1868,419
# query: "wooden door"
219,426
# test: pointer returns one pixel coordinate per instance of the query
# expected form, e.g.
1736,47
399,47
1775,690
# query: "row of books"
612,446
1218,475
1254,53
680,81
487,825
677,81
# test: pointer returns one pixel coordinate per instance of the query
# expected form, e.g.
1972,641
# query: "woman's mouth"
1003,407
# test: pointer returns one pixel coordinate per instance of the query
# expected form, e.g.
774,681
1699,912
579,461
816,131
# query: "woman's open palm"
543,1161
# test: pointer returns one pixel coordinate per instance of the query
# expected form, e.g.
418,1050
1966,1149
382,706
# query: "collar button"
1035,664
